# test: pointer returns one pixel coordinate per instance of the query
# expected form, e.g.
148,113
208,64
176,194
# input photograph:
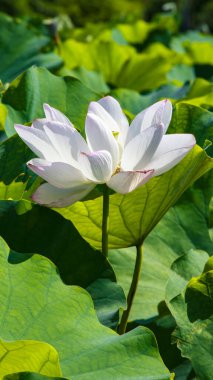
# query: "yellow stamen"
115,134
117,170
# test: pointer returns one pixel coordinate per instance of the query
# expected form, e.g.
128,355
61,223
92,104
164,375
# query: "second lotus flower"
122,156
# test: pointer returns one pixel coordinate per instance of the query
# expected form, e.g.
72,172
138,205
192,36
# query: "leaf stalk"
132,290
105,219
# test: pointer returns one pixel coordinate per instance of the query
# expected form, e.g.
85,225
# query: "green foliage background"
61,300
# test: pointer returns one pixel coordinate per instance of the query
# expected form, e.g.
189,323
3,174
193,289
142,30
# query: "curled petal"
172,149
158,113
52,196
139,151
96,166
99,137
125,182
58,174
54,115
38,142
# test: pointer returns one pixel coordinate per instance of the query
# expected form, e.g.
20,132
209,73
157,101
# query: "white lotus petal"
39,124
95,108
66,141
96,166
139,151
125,182
51,196
160,112
114,109
54,115
163,114
172,149
58,174
38,142
99,137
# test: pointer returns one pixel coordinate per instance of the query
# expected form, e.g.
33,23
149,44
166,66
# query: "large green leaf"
121,65
28,355
31,376
108,57
193,311
181,73
142,71
77,259
21,47
25,97
36,229
133,102
200,94
171,238
134,215
136,33
45,309
14,174
190,118
179,41
91,79
199,52
183,269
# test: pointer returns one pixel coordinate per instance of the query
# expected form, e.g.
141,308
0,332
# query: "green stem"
132,290
105,220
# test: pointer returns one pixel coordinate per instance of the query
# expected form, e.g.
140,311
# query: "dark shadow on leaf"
199,306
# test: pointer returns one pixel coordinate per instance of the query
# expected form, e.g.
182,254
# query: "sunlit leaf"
134,215
28,355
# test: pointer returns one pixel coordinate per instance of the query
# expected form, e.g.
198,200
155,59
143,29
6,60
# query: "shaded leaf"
25,97
91,79
14,174
193,312
35,229
21,47
190,118
64,317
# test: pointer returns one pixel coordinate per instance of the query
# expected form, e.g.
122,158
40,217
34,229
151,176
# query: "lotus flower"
122,156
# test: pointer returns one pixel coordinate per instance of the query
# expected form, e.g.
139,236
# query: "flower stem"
105,220
132,290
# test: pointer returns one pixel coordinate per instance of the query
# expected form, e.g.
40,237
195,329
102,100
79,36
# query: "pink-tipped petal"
172,149
52,196
125,182
53,114
158,113
96,166
58,174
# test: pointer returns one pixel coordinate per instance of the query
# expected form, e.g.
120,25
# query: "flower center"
117,170
115,134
